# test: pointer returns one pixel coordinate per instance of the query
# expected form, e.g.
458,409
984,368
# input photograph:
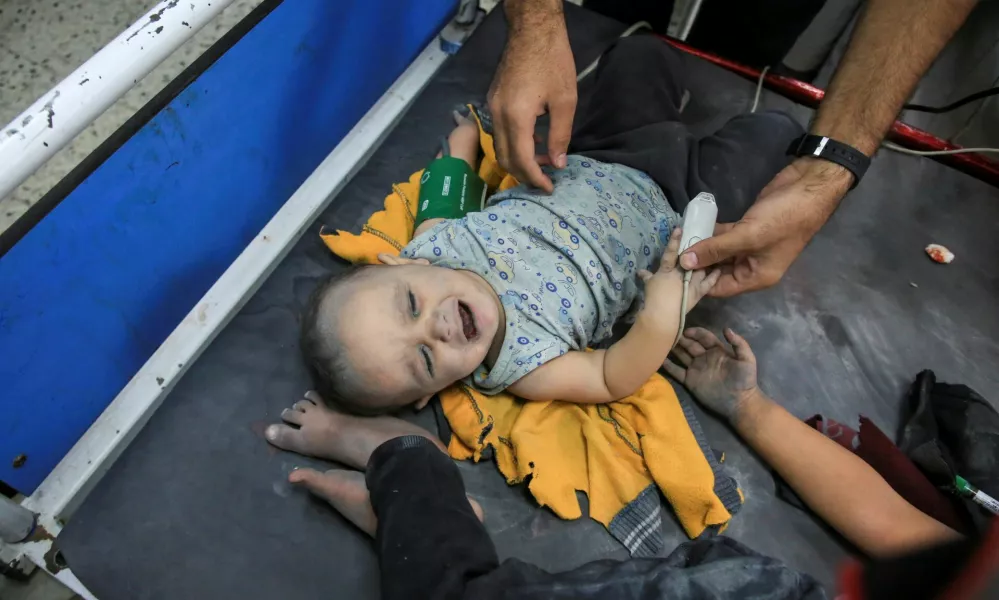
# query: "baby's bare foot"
314,430
347,492
343,489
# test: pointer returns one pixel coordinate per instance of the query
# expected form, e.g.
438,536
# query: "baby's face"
411,329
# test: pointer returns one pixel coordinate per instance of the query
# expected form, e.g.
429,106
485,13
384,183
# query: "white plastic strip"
58,116
68,579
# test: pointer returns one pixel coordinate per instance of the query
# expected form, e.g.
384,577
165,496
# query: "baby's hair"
327,358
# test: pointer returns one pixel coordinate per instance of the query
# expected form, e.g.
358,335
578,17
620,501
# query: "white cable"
683,305
756,103
898,148
759,88
593,65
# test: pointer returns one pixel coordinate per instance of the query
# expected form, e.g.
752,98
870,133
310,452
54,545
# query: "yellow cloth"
611,452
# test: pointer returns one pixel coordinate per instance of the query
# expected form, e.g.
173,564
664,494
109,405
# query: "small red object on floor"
940,254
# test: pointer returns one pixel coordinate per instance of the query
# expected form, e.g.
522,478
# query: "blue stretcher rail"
90,292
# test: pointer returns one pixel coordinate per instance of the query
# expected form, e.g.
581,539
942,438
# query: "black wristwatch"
846,156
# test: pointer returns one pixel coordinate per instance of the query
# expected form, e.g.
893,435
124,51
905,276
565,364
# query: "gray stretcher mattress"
198,506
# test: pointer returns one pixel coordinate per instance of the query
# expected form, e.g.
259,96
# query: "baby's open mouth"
467,321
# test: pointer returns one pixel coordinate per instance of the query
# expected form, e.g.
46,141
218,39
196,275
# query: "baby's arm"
602,375
464,144
426,226
619,371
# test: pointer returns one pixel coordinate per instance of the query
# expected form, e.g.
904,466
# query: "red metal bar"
910,137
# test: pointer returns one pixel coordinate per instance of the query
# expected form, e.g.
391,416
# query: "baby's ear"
395,261
422,402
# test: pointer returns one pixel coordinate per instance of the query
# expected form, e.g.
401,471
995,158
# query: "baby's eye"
426,359
412,305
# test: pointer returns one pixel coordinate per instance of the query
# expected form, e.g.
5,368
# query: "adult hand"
536,74
723,379
755,252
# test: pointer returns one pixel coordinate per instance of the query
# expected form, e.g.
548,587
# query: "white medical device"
698,224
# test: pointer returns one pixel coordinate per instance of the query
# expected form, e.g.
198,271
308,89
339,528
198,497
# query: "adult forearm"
533,16
838,486
894,43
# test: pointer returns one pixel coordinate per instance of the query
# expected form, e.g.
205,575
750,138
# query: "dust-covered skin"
347,492
312,429
721,377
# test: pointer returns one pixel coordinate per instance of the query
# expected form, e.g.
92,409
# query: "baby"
511,297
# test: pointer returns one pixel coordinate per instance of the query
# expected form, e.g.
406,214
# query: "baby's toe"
327,486
286,438
345,490
310,478
292,416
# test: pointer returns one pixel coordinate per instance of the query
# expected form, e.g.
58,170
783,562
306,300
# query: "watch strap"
826,148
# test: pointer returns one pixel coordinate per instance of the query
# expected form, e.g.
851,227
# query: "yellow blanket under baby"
616,453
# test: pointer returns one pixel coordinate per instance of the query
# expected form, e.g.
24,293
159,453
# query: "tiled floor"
43,41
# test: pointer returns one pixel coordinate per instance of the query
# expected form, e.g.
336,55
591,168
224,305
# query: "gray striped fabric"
638,525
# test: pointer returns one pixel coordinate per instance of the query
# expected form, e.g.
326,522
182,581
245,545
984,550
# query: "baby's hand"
665,287
721,378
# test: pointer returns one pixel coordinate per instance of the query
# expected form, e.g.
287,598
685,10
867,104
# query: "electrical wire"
759,88
903,150
953,105
893,146
889,145
593,65
683,306
971,118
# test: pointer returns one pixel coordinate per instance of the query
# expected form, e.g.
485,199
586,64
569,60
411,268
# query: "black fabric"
718,567
919,575
952,430
757,33
430,545
634,118
429,542
656,13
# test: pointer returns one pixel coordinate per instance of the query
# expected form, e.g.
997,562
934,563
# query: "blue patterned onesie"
564,266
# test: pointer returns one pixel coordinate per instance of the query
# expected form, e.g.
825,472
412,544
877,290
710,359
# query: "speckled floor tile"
38,49
40,587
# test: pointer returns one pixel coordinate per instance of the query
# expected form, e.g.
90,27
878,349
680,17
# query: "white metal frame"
91,457
68,108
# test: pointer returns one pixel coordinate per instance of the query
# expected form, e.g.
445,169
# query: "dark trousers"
633,118
430,545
